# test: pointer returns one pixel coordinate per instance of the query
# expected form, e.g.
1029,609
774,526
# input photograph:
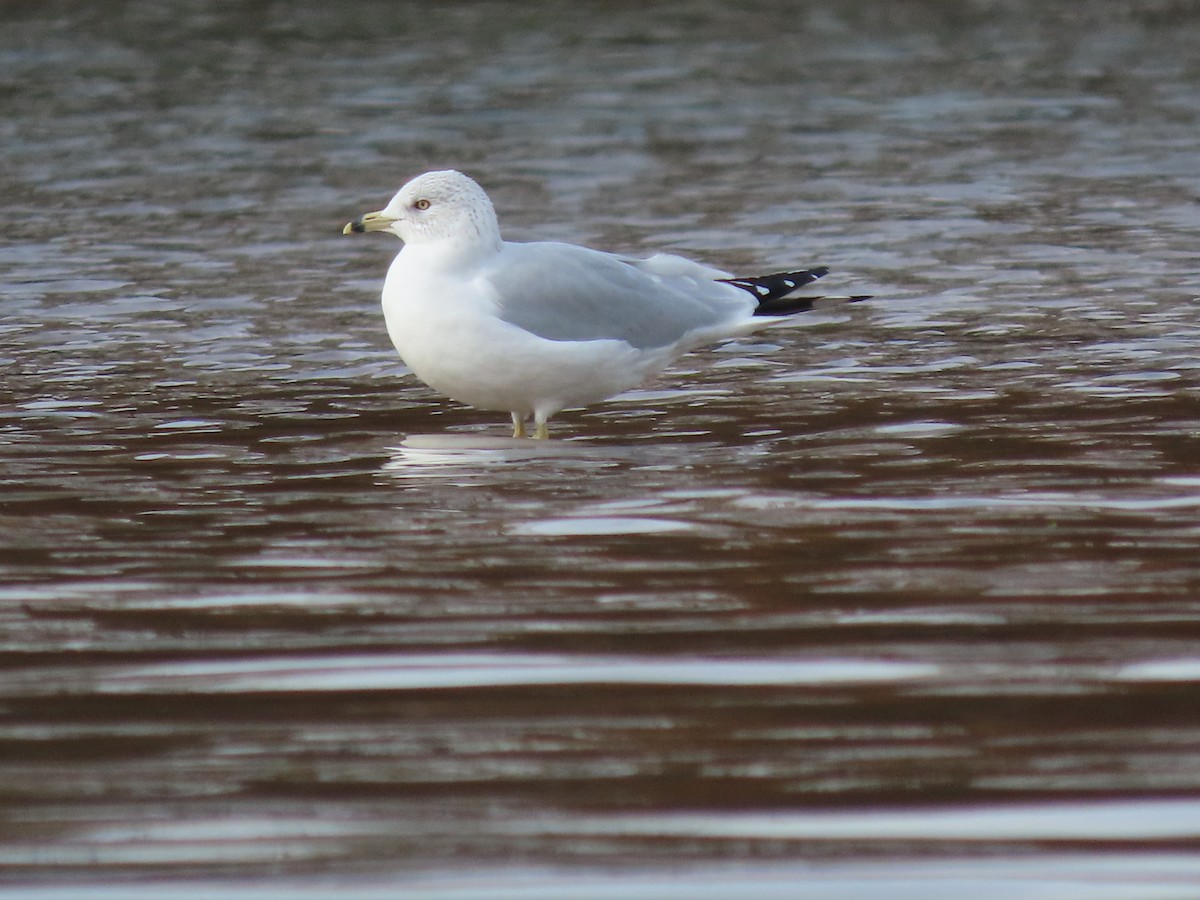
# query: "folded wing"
562,292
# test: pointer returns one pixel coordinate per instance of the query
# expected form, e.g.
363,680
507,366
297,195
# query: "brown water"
902,601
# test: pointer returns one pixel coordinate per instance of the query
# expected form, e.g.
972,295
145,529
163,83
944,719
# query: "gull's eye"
422,204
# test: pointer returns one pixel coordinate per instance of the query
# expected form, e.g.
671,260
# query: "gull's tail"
776,294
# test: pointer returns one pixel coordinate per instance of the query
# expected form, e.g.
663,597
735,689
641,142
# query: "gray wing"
562,292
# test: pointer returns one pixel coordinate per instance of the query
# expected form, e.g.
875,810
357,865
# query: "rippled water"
899,600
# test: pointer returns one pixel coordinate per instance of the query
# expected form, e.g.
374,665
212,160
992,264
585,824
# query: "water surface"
899,598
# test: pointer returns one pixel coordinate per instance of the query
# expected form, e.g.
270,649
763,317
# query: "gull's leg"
542,432
518,425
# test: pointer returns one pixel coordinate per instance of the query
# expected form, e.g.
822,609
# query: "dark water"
902,602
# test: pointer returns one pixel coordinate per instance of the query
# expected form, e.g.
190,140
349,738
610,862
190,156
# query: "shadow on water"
902,600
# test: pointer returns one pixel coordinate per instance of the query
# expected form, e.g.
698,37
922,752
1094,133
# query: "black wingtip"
765,288
786,306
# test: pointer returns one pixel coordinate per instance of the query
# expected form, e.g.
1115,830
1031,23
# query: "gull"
535,328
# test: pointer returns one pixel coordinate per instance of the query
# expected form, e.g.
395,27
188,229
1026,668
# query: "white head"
436,206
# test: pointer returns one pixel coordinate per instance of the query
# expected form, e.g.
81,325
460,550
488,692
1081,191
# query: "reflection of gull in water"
535,328
475,456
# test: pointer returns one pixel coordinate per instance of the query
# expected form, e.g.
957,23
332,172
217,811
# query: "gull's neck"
464,251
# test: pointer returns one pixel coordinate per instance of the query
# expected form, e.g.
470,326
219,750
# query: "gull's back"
563,292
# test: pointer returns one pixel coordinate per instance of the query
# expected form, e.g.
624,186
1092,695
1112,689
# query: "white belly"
460,348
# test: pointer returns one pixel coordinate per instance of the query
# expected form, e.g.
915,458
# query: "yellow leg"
542,432
518,426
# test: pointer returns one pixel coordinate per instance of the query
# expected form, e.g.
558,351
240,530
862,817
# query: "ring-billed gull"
535,328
